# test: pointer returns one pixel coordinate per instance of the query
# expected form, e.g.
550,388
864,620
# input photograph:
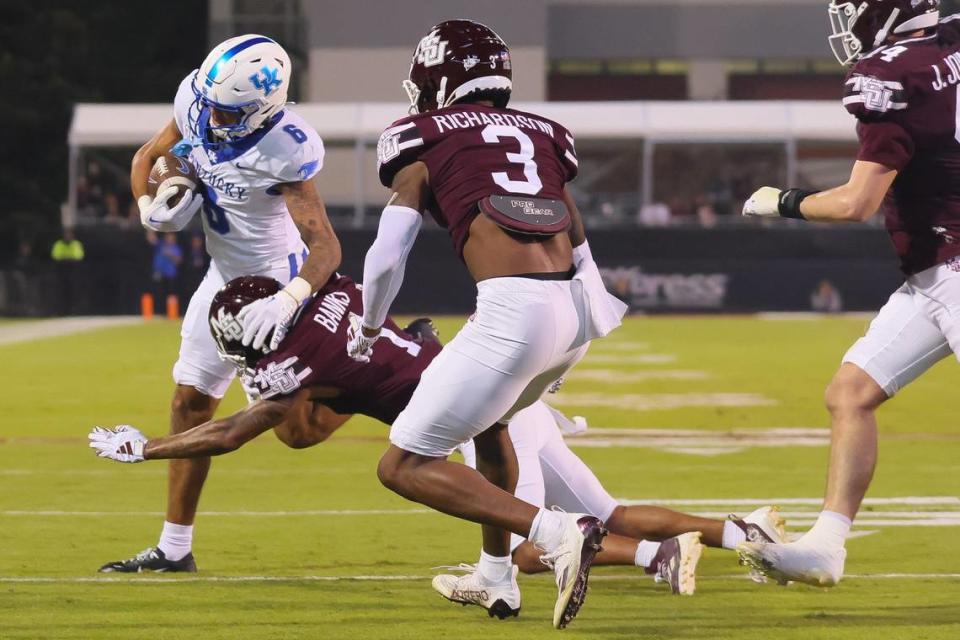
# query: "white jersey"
248,228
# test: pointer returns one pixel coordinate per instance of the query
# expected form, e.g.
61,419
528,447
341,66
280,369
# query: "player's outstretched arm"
126,444
217,437
856,201
387,257
274,314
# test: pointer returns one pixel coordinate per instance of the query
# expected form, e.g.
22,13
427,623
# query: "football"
172,171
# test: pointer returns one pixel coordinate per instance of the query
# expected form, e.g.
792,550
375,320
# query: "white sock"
494,569
732,535
175,540
547,530
645,552
831,529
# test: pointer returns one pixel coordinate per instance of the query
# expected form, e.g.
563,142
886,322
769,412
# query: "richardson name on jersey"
331,310
219,183
470,119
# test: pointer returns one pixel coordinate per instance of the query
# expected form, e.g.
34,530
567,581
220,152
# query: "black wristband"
789,205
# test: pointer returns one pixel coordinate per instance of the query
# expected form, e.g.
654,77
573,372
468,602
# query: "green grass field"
285,549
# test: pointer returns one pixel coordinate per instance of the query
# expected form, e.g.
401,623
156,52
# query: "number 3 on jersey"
492,134
216,216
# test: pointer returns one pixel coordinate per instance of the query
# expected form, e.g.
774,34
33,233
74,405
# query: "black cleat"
151,559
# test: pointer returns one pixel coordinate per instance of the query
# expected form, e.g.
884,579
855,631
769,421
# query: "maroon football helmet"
226,329
860,26
458,58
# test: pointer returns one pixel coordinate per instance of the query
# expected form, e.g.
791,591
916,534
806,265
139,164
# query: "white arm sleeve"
386,260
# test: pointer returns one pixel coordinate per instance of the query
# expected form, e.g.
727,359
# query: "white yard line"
54,328
700,442
611,345
175,580
636,358
711,507
814,502
623,377
810,315
659,401
227,514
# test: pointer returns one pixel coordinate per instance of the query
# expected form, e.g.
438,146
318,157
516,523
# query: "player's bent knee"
388,470
852,389
614,521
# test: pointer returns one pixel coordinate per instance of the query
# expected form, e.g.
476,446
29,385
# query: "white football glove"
764,202
274,313
122,443
359,346
156,214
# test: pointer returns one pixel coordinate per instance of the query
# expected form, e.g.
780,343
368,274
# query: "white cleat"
571,562
798,561
501,600
676,563
763,525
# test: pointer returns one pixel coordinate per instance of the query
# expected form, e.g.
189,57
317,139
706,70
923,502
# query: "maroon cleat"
571,562
676,563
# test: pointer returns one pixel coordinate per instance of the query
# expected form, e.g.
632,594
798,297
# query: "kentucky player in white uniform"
261,215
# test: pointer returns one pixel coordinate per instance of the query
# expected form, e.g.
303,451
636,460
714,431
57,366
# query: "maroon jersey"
314,353
904,96
473,151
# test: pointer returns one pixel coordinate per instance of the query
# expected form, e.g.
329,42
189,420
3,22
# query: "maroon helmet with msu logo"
458,58
226,329
860,26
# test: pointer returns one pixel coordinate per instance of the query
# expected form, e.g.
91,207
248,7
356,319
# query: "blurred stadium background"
674,130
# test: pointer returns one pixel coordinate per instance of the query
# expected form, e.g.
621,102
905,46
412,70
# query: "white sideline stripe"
171,580
40,329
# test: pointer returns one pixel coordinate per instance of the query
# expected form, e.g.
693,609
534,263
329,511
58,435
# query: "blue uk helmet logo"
266,80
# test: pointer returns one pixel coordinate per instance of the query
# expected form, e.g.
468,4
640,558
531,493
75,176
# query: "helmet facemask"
846,47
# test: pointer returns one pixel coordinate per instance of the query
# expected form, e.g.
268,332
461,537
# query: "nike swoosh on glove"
156,214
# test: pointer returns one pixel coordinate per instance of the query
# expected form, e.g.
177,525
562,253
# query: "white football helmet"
247,75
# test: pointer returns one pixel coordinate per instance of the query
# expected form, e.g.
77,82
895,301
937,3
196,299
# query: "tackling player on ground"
261,214
309,387
495,178
903,90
